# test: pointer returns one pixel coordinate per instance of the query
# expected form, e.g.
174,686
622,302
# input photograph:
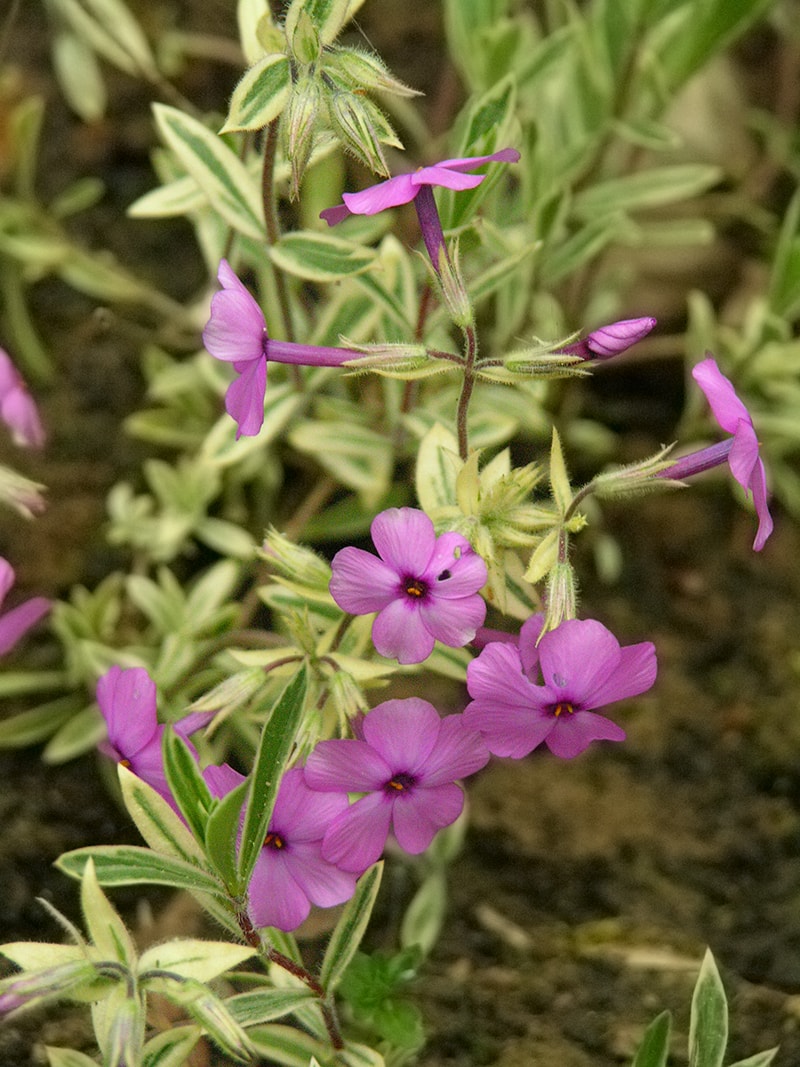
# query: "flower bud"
454,290
608,341
352,119
295,562
299,122
561,598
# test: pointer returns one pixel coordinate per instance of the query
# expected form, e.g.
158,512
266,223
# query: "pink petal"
275,898
458,752
399,632
447,179
454,569
244,400
347,766
453,622
322,882
417,817
728,409
577,657
19,412
528,647
573,733
301,813
758,485
507,729
362,583
743,455
222,779
148,763
391,193
404,733
405,539
334,215
7,576
236,330
355,840
635,673
504,155
127,699
15,623
496,676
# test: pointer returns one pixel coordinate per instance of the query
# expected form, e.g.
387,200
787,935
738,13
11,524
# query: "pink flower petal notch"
423,587
406,764
527,695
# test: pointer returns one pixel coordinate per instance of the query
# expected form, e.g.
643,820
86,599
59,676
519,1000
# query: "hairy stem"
470,355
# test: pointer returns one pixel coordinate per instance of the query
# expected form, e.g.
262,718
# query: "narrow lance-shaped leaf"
654,1049
559,479
708,1026
190,791
260,95
276,744
222,832
171,1048
103,925
760,1059
156,821
349,931
320,257
217,170
133,865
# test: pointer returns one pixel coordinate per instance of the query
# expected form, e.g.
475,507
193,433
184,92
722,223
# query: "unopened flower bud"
300,564
299,122
26,989
20,493
353,120
608,341
561,597
454,290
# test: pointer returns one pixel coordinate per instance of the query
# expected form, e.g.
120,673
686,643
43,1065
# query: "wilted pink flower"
17,407
582,667
424,587
290,873
740,451
406,762
15,623
127,699
237,333
416,187
608,341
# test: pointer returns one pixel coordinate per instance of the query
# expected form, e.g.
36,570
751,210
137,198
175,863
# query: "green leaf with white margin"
110,29
261,94
217,170
649,188
320,257
422,922
39,955
438,466
266,1005
79,734
194,958
276,744
225,537
327,16
171,1048
157,822
179,197
186,783
760,1059
654,1048
105,928
543,558
67,1057
132,865
708,1024
355,1054
287,1045
559,479
358,457
221,836
251,15
350,929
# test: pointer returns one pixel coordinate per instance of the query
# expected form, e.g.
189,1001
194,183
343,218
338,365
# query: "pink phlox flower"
18,409
237,333
14,624
402,189
127,699
406,764
581,666
744,461
290,873
423,587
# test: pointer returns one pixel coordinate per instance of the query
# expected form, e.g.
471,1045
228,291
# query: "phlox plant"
333,386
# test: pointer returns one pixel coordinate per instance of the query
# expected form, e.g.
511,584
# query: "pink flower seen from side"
527,695
406,763
127,699
18,409
237,333
423,587
14,624
402,189
611,340
290,873
744,461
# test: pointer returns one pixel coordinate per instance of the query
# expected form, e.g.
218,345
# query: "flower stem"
470,355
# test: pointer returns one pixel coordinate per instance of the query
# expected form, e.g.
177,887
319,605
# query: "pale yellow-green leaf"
156,821
38,955
103,925
559,479
438,465
194,958
468,485
260,95
543,559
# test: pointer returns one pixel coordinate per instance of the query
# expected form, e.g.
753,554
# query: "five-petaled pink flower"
290,873
582,667
17,407
417,187
406,761
237,333
424,587
16,622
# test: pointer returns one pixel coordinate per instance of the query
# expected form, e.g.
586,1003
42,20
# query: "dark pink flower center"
563,708
415,588
275,841
400,783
